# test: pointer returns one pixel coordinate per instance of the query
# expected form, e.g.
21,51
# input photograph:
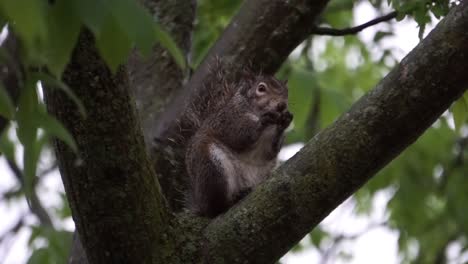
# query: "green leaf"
93,13
59,242
27,133
27,18
113,44
400,16
7,108
460,113
40,256
167,42
54,128
51,82
35,233
64,210
136,22
317,235
465,97
440,8
300,95
64,28
31,158
381,34
25,115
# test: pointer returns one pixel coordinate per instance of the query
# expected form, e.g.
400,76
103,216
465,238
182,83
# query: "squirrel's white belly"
240,173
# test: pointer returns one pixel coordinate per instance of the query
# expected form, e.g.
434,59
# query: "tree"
122,180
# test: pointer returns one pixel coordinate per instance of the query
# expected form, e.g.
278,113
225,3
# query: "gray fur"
235,147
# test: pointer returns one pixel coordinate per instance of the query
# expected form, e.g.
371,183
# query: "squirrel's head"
266,93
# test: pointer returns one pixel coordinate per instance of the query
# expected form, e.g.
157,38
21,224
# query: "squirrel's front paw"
285,119
269,118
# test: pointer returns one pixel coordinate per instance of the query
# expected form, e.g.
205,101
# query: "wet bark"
119,208
341,158
116,201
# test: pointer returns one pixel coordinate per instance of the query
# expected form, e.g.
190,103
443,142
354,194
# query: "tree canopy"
94,87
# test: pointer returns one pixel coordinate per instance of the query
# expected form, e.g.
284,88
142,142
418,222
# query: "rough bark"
116,201
340,159
154,80
117,204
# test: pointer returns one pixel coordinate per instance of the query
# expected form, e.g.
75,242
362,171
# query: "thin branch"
6,238
35,204
338,240
48,170
352,30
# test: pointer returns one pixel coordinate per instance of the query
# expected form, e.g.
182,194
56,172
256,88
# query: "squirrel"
235,147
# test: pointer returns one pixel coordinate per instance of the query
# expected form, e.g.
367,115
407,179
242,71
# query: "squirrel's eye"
261,88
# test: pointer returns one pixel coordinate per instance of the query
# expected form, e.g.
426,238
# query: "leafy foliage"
47,32
213,17
428,181
57,250
419,10
326,75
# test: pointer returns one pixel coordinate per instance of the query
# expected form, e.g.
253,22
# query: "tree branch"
117,204
35,204
341,158
352,30
7,237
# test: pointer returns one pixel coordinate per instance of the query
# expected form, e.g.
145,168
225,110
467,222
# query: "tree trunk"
116,200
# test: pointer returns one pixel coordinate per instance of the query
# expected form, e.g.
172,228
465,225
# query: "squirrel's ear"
247,74
285,82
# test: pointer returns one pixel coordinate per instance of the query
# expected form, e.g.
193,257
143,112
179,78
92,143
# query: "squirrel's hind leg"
209,184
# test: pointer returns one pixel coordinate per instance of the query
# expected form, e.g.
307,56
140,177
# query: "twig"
352,30
48,170
35,204
6,238
337,240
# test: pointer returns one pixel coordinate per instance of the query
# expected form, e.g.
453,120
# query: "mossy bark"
119,208
340,159
117,205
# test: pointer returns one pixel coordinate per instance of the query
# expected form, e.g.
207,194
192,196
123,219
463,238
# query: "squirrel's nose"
281,107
